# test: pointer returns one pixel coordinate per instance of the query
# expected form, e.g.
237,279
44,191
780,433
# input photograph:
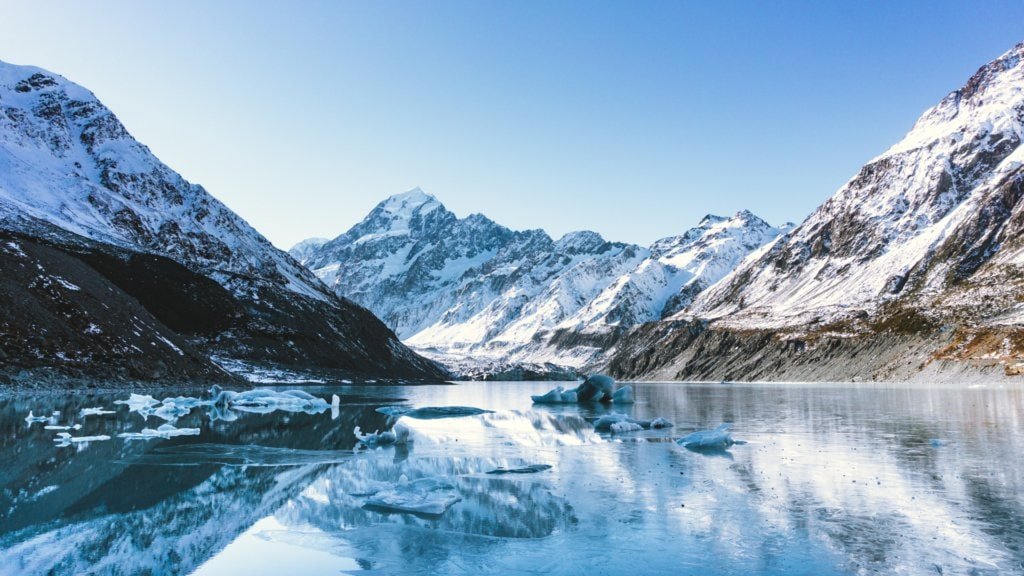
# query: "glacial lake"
831,479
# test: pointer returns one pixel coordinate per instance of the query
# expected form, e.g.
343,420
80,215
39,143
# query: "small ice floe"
164,431
137,402
265,401
530,469
168,411
56,427
97,411
32,419
376,438
718,439
557,396
65,439
617,423
335,401
432,412
425,496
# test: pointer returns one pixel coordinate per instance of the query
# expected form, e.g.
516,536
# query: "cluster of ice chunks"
377,439
596,388
619,423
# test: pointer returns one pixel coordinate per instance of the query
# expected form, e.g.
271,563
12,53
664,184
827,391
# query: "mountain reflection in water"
833,479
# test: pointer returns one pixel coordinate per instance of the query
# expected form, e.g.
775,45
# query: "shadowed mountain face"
89,201
471,288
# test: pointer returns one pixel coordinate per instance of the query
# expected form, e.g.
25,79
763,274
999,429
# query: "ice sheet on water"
718,439
432,412
96,411
426,496
164,431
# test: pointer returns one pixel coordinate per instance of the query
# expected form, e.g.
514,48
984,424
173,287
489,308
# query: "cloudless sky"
631,118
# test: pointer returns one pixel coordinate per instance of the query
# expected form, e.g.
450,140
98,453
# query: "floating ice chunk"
596,388
32,419
426,496
335,401
137,402
187,401
622,427
56,427
164,431
605,423
623,395
65,439
660,423
530,469
386,438
557,396
432,412
56,413
264,400
97,411
169,412
717,439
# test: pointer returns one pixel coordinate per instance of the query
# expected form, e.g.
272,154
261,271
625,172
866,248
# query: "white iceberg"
97,411
623,395
164,431
56,427
660,423
717,439
265,400
427,496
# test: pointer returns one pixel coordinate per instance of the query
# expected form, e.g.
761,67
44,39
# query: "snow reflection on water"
833,479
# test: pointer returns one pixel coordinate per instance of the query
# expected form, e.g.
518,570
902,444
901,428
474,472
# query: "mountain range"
118,269
468,290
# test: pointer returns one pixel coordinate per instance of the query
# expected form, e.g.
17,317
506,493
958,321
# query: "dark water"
833,479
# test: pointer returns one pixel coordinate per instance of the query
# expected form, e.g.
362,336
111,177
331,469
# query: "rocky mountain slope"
468,287
925,243
73,182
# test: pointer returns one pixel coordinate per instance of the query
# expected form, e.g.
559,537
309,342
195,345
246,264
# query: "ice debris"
425,496
386,438
619,423
65,439
164,431
137,402
32,419
56,427
97,411
530,469
265,400
596,388
718,439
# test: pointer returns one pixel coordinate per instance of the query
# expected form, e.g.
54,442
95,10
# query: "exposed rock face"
921,253
461,288
74,182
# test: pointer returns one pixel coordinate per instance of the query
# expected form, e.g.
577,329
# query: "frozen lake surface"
831,479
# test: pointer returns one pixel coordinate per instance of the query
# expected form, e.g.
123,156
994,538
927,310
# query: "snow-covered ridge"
468,286
66,160
936,210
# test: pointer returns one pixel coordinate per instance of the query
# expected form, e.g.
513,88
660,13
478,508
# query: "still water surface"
832,479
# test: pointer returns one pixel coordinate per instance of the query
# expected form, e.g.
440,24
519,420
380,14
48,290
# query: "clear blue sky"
633,119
